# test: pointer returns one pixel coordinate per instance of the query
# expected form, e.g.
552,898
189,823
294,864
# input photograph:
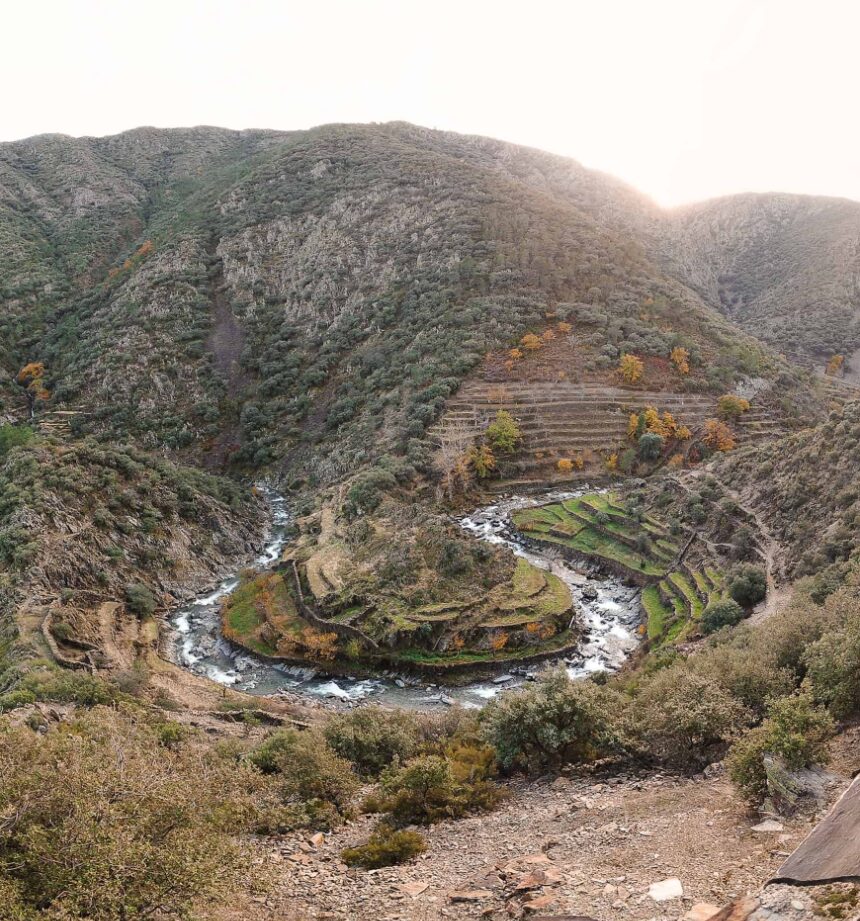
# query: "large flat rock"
831,852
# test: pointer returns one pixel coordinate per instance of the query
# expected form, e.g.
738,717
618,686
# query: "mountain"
308,301
786,268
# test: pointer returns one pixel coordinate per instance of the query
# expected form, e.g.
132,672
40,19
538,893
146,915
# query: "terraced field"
638,547
585,420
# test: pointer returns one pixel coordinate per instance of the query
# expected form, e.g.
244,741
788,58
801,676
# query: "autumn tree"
680,358
450,462
504,433
835,365
530,342
631,368
730,406
498,641
482,460
319,645
612,463
718,436
515,354
565,465
32,378
563,327
548,336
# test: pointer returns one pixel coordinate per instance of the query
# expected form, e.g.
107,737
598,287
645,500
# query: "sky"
683,100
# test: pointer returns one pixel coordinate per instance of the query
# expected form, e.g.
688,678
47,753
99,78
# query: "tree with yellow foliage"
515,354
631,368
718,436
565,465
731,406
482,460
563,327
680,358
612,463
530,342
319,645
32,378
834,366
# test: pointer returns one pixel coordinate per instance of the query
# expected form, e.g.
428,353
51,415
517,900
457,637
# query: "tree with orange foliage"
718,436
32,378
834,366
680,358
676,460
319,645
548,335
565,465
531,342
563,327
498,641
515,354
631,368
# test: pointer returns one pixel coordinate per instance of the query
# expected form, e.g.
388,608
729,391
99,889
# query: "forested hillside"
307,302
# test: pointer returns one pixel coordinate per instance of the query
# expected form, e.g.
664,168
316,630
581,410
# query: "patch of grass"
658,613
682,583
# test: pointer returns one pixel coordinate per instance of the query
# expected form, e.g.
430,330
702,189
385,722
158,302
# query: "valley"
484,537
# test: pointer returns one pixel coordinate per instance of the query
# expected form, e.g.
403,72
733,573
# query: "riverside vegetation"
386,323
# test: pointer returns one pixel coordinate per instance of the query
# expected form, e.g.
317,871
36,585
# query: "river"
609,612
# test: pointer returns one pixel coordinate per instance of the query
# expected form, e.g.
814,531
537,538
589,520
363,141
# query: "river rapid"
609,612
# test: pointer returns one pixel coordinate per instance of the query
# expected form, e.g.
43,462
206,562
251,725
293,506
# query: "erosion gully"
608,610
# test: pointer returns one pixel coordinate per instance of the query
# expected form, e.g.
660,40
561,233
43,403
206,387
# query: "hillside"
786,268
308,301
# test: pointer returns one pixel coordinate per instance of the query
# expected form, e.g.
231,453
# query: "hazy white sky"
685,100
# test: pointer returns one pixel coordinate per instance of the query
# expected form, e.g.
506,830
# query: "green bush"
833,664
795,732
651,446
140,600
746,669
372,738
748,585
718,614
684,719
312,778
385,848
430,788
553,722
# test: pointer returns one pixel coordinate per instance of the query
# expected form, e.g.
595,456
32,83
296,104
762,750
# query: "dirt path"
599,845
779,589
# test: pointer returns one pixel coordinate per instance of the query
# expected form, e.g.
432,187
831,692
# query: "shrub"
385,848
554,721
310,776
833,664
140,600
431,787
746,668
372,738
718,614
748,585
651,446
795,731
684,718
133,830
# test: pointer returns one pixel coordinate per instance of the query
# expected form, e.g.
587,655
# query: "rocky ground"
651,847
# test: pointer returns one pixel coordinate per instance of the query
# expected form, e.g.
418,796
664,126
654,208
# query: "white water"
608,611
